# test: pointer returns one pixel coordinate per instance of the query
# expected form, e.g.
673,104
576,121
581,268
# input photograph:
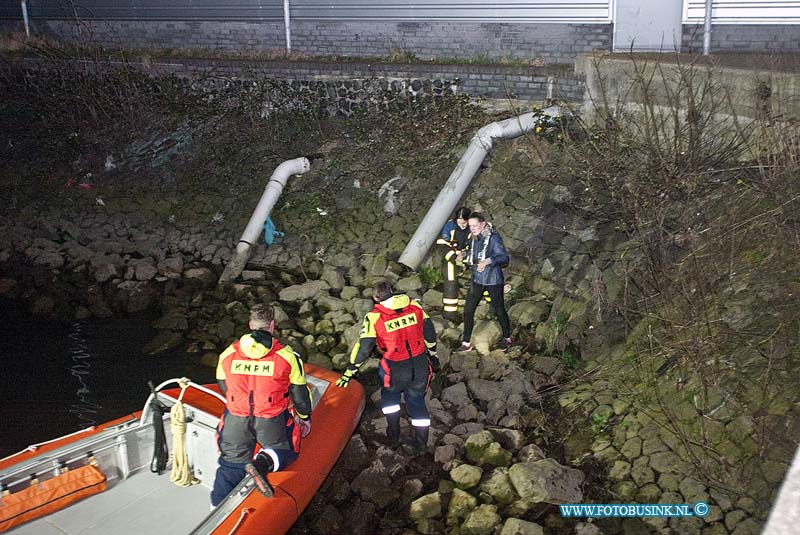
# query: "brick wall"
10,26
546,43
543,42
177,34
743,38
549,43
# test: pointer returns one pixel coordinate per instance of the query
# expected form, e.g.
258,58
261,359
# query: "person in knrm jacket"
259,377
406,338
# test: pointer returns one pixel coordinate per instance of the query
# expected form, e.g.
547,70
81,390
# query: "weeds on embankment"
708,191
74,108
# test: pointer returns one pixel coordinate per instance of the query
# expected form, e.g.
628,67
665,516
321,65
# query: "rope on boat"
242,516
181,473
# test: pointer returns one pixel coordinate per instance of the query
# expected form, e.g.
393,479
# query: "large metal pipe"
24,5
252,231
287,24
785,515
460,178
707,28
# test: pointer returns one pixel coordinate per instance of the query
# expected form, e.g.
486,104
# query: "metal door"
647,25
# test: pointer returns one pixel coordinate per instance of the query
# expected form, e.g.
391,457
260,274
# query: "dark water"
60,377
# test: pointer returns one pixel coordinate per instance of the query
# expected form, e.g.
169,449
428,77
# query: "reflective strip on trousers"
391,409
276,462
450,290
421,422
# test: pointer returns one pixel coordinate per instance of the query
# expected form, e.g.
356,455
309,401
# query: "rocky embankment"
501,454
615,393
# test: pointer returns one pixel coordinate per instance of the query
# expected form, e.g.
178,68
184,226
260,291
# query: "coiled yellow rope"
181,473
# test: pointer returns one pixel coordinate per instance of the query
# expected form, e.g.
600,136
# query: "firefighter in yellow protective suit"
454,241
406,338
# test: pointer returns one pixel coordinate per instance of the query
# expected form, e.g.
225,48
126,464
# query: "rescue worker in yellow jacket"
406,339
454,241
258,376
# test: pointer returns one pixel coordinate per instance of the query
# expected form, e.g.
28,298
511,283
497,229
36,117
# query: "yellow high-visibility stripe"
400,323
252,367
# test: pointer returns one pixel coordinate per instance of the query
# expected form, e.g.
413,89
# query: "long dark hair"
462,213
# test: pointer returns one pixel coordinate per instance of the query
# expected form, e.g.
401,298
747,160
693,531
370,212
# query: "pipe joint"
459,181
487,134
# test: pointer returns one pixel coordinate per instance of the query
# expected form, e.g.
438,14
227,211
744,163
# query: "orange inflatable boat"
104,479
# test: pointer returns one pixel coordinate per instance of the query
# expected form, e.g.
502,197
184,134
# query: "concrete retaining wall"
751,92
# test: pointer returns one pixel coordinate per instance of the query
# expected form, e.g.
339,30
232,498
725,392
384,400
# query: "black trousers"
494,296
450,290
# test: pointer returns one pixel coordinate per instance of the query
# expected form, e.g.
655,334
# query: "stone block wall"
479,81
495,82
743,38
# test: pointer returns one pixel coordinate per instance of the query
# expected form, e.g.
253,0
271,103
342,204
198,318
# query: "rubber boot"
258,470
419,442
453,317
393,429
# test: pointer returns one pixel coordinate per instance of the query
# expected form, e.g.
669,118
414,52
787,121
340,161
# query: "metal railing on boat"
181,381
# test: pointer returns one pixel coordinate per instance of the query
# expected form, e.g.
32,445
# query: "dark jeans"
494,295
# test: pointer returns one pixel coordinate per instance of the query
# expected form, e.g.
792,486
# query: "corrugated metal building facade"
328,10
545,30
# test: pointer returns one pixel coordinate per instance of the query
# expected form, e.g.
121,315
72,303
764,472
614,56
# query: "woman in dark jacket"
487,256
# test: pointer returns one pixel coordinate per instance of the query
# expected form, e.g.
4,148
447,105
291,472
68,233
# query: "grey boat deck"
137,501
143,504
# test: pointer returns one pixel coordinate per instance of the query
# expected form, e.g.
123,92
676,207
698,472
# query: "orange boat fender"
43,498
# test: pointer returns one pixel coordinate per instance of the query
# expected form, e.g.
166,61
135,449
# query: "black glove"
435,364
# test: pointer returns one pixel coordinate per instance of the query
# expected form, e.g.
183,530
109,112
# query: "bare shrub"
709,194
